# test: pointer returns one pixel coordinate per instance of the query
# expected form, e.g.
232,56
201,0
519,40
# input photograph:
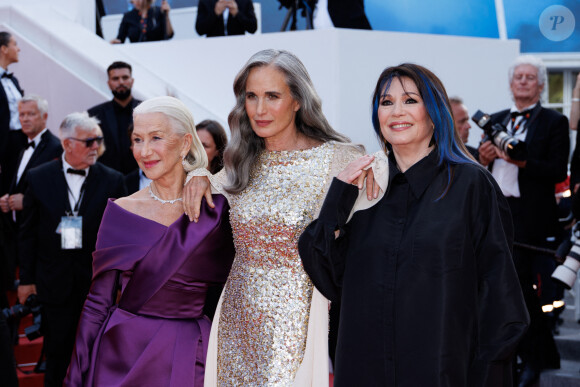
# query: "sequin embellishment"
266,304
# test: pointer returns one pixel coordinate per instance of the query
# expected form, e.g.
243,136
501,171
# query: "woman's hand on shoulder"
193,191
356,172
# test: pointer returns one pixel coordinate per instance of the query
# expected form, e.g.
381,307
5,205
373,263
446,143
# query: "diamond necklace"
162,200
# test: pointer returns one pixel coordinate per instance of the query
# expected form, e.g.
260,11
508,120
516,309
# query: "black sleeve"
123,29
322,253
28,238
554,166
121,189
503,316
246,18
160,32
206,17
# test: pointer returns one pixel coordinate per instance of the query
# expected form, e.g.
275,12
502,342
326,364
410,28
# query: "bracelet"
575,99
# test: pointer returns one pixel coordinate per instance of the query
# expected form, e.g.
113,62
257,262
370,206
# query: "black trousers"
59,324
7,364
537,347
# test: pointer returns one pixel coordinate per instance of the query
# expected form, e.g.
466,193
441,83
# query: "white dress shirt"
506,174
75,183
28,154
144,181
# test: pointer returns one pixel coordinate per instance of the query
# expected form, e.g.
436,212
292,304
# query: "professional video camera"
32,305
498,134
567,272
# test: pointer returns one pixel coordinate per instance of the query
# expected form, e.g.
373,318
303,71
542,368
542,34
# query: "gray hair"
77,120
532,61
41,103
181,123
245,146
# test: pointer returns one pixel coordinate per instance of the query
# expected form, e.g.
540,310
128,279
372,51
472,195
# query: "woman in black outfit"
430,296
145,23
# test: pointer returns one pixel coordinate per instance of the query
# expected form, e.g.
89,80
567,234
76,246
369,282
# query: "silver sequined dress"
265,308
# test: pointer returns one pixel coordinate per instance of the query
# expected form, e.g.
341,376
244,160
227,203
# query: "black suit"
548,145
11,141
535,217
48,149
62,277
117,154
210,24
575,162
348,14
132,181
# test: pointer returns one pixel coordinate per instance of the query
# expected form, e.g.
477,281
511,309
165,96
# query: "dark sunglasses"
89,141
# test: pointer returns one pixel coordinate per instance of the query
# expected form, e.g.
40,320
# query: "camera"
32,305
499,136
567,272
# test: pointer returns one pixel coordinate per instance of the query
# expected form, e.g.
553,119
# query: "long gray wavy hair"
245,146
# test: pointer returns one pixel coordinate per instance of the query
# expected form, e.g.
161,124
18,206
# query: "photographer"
529,186
225,17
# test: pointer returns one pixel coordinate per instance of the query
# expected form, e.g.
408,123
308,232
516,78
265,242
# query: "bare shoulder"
133,203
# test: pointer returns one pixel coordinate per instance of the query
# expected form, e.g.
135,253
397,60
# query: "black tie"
30,144
525,113
80,172
8,75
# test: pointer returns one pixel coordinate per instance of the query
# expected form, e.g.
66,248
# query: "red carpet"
26,353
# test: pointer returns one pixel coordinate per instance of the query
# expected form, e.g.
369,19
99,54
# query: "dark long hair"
219,138
448,144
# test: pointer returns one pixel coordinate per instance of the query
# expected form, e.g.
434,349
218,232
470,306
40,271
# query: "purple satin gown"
156,334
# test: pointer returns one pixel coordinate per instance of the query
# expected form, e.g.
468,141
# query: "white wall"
66,62
344,66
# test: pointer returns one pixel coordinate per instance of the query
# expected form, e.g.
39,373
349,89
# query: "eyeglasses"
528,77
89,141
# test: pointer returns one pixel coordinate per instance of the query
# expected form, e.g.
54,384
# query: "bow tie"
31,144
80,172
8,75
525,113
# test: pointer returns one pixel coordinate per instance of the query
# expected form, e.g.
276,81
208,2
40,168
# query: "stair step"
29,380
567,376
569,345
27,351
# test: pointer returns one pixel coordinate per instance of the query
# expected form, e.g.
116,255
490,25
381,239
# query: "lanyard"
75,211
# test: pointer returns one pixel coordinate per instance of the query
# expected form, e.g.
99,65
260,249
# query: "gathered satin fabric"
157,334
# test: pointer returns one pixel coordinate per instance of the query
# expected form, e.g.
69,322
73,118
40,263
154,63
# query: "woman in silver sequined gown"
271,326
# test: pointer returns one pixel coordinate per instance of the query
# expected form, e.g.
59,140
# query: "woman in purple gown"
143,323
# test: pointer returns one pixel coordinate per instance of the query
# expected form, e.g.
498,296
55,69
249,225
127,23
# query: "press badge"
71,232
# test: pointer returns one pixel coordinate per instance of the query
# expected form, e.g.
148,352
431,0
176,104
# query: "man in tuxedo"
115,117
11,137
529,186
42,146
63,206
225,17
461,121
